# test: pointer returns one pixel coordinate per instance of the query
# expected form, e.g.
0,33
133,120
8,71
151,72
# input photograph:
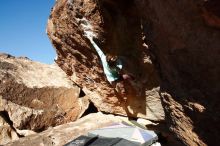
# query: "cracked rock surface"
35,96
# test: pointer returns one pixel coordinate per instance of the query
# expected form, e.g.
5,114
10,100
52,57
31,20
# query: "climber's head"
112,61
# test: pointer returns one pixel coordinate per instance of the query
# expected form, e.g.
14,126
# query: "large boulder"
171,48
111,22
36,96
184,36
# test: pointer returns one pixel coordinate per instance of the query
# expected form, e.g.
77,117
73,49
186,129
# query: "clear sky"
23,29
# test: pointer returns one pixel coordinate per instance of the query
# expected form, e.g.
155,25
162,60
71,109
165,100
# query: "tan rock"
63,134
37,96
7,133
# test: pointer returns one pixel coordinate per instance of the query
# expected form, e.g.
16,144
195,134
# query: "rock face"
36,96
78,58
170,47
7,133
185,38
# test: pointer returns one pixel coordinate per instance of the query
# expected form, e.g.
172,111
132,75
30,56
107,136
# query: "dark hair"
111,60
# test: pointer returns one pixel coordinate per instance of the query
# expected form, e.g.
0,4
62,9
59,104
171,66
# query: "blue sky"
23,29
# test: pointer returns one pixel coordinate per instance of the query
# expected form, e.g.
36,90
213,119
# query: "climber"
115,63
113,71
123,84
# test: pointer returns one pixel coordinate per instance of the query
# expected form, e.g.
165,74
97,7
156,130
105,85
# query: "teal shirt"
111,74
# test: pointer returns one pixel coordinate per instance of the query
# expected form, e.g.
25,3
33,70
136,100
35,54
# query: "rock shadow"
124,39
